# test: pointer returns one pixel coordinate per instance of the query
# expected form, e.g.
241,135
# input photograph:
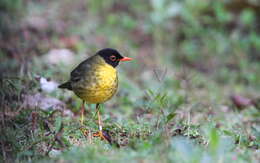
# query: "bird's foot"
84,131
104,135
82,121
87,134
100,134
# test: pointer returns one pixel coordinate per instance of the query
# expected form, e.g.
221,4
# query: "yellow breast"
100,86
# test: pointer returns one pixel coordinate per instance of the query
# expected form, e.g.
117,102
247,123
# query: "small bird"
95,80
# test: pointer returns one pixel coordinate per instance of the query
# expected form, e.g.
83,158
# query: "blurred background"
195,74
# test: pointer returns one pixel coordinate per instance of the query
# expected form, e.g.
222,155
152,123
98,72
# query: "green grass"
173,103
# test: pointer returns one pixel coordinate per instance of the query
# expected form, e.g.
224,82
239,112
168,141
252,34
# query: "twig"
34,143
2,128
57,138
50,148
34,120
162,76
3,150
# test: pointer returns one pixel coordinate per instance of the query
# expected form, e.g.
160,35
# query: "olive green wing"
79,72
82,70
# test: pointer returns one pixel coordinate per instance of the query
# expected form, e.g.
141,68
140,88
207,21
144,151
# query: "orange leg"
86,133
82,112
100,133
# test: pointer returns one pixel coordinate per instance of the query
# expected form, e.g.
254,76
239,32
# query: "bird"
95,80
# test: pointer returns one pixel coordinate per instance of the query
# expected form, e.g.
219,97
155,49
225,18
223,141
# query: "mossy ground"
173,103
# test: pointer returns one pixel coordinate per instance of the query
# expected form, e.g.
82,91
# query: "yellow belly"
100,87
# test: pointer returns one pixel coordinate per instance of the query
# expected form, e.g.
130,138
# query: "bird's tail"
66,85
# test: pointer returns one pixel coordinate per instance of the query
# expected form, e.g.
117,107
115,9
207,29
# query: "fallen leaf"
240,101
70,42
59,56
37,22
45,103
48,86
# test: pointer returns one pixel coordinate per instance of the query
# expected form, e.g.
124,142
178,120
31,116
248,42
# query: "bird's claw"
100,134
84,131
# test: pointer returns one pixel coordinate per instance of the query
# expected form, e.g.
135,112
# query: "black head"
111,56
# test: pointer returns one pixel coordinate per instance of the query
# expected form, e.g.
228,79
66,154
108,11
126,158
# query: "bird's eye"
112,58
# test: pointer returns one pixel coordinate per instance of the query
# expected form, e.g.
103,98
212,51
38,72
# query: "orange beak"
126,59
